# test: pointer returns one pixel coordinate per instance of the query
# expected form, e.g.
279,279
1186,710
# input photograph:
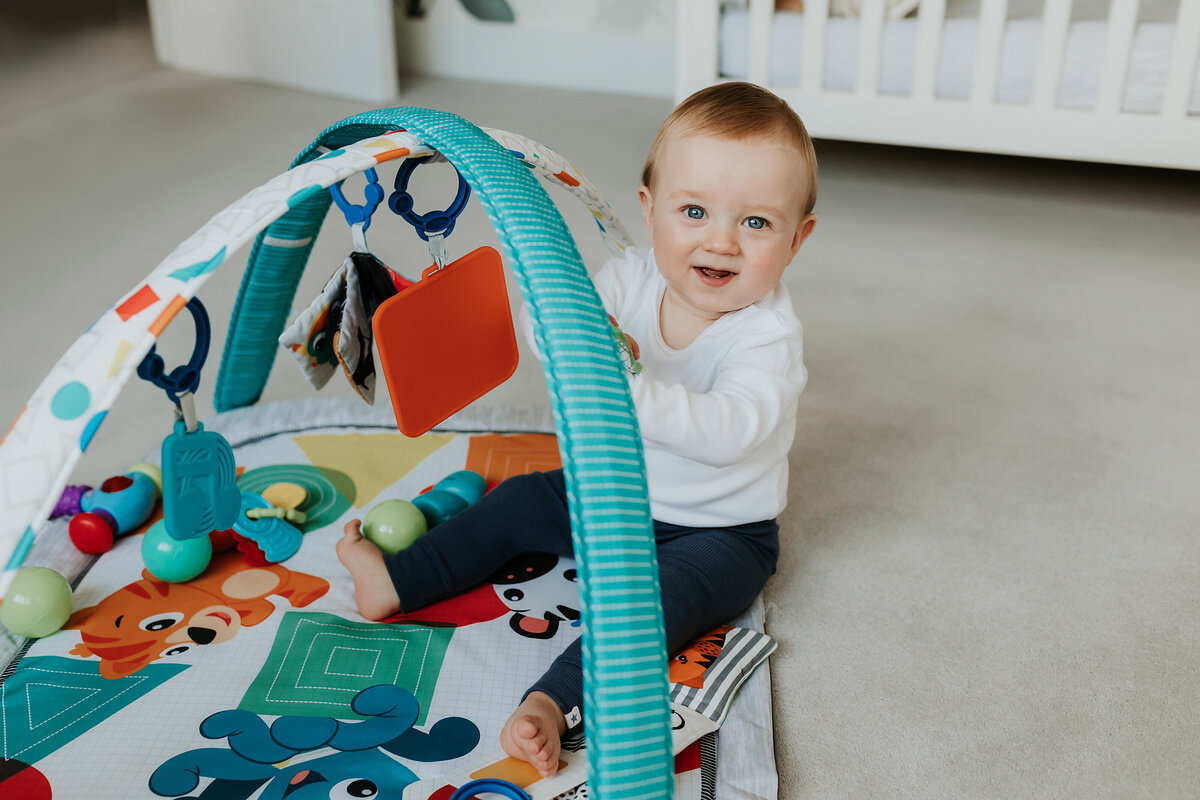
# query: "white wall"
622,46
354,48
337,47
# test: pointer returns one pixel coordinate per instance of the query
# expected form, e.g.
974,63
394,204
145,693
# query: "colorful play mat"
254,682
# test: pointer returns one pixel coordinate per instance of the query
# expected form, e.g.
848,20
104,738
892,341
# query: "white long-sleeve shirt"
717,417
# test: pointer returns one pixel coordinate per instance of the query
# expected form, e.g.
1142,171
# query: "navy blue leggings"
707,576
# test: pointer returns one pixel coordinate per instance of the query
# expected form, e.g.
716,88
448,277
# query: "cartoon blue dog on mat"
359,766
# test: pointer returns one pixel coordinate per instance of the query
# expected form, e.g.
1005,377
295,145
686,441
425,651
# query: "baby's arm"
755,389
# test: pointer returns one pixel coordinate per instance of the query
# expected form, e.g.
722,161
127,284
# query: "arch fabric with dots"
626,714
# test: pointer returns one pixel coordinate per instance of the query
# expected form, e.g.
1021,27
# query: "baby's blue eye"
757,223
695,212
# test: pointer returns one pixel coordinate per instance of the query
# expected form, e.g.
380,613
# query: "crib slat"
816,15
1055,22
930,19
870,40
1183,60
1122,17
992,14
761,12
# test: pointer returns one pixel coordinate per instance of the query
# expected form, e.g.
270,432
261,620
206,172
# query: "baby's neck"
681,324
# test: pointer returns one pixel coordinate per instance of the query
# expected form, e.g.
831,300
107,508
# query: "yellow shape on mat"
515,771
285,495
374,461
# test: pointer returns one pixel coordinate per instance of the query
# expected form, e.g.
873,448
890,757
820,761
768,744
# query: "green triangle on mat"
49,701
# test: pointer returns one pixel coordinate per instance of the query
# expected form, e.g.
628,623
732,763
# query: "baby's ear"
803,231
647,201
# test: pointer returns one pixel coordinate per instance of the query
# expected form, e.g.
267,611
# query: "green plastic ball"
393,525
174,560
37,604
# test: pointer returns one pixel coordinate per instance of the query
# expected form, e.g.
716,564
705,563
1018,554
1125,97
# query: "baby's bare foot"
374,593
534,733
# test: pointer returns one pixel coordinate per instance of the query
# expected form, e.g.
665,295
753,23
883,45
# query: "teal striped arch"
626,712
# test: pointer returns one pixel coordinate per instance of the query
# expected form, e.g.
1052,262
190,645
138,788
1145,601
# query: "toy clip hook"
185,410
358,236
359,217
437,249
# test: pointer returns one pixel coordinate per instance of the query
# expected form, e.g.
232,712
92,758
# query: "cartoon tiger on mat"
688,666
152,619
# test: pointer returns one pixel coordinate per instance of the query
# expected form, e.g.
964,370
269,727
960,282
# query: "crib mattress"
90,712
1079,80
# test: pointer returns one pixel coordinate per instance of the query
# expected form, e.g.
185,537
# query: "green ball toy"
37,604
174,560
393,525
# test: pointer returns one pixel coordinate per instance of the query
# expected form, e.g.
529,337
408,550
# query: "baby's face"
725,218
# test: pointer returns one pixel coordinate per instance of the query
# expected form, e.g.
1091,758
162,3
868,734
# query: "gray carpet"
991,589
990,571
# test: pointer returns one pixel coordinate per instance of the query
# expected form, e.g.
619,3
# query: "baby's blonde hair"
737,110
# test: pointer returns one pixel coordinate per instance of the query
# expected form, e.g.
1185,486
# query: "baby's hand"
630,352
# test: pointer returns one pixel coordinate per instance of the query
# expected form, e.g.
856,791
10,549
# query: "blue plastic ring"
492,785
373,194
185,378
428,224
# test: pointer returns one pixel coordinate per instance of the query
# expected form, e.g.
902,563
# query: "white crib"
1099,81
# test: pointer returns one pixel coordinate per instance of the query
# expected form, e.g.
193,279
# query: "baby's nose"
720,241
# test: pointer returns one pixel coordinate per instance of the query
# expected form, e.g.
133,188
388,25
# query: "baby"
727,194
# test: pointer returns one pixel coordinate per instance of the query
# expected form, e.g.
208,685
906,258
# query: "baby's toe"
525,729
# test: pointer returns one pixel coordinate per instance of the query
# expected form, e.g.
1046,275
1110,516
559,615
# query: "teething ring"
373,194
490,786
433,222
185,378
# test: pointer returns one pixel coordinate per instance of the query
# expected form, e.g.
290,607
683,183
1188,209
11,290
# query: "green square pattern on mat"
319,662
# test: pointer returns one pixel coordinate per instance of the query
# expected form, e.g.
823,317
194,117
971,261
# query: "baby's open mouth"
715,274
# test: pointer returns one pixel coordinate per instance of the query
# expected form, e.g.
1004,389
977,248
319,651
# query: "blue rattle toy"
114,508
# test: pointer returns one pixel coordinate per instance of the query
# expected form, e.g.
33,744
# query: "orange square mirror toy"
446,341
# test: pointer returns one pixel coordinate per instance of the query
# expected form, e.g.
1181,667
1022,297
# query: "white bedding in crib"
1082,61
